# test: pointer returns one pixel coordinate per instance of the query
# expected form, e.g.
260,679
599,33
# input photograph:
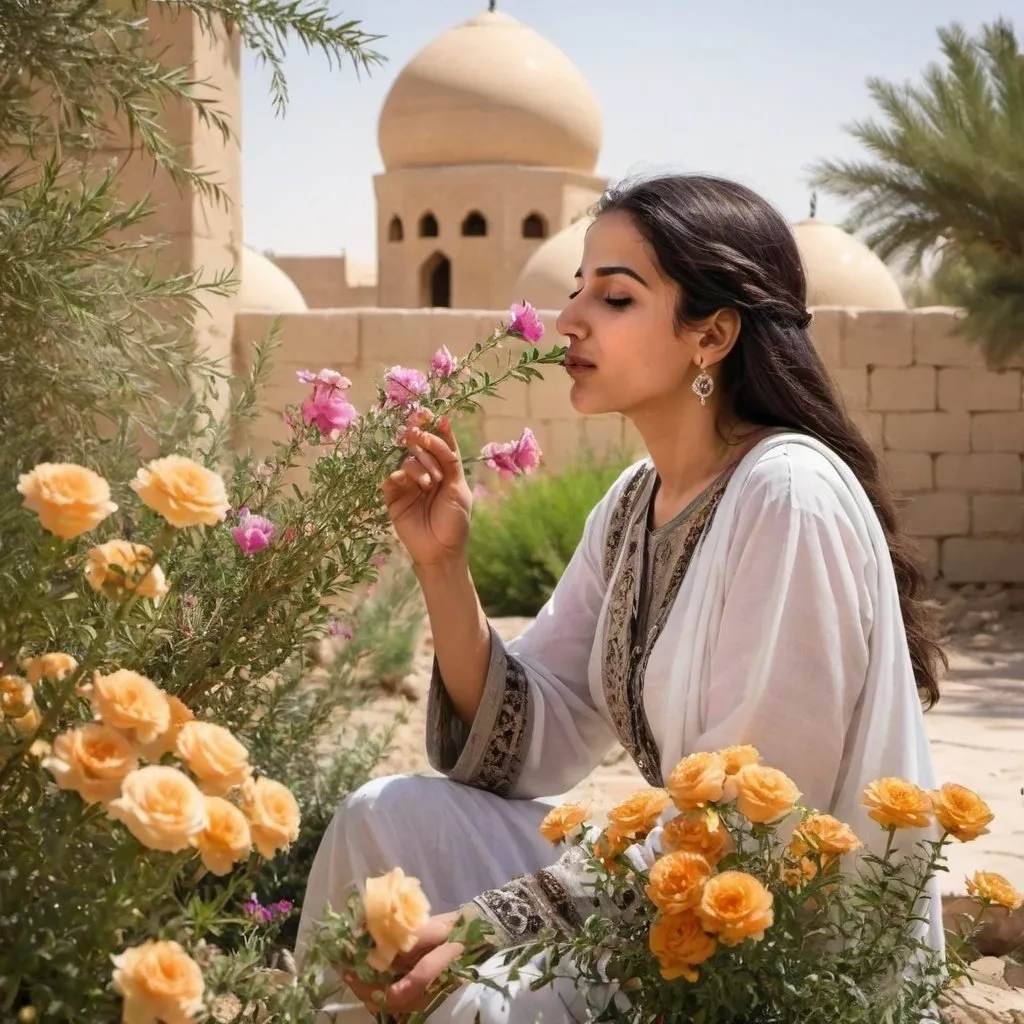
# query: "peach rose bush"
739,904
164,775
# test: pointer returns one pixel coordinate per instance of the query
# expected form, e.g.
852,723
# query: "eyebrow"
611,271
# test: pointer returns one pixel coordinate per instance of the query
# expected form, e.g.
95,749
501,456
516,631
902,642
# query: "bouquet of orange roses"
749,907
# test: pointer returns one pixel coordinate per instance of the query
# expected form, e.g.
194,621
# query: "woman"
748,583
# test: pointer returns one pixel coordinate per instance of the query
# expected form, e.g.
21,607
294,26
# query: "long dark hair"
726,247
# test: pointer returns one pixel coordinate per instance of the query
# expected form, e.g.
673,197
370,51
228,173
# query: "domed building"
489,137
842,271
547,278
263,287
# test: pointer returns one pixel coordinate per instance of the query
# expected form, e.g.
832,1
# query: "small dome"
265,288
547,278
842,271
490,91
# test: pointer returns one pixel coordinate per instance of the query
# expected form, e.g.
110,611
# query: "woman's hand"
420,969
429,500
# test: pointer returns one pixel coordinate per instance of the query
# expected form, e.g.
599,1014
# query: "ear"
720,334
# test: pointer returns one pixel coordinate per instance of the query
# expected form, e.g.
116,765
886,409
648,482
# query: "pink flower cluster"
327,408
526,322
513,458
403,387
255,909
442,363
253,533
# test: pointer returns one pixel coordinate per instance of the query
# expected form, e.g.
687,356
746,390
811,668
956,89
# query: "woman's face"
625,354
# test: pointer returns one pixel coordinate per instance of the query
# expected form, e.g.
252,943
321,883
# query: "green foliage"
947,176
522,541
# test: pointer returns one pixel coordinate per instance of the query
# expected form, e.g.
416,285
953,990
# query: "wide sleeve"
789,660
537,731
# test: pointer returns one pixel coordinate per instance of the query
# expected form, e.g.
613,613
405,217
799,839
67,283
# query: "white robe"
785,633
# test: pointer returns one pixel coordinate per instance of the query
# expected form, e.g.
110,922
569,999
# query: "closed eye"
619,303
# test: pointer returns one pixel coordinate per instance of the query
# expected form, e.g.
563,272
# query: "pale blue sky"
752,90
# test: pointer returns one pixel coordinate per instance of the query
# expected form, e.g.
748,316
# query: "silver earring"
703,385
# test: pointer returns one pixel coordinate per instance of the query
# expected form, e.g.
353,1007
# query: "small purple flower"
525,322
340,630
442,363
403,386
253,533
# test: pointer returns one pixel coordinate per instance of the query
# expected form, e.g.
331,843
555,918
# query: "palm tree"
946,179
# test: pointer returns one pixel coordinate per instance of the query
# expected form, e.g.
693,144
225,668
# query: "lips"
574,361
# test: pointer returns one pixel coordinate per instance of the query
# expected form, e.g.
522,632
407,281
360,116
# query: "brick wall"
951,432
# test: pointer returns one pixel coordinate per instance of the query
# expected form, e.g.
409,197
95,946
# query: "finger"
429,463
444,428
409,993
399,486
418,474
440,448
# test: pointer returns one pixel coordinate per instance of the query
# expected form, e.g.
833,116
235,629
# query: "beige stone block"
939,514
853,387
511,399
549,396
870,424
928,431
249,329
320,339
997,514
396,336
561,442
997,432
978,473
979,390
936,342
910,472
982,560
826,333
878,338
910,388
459,329
928,557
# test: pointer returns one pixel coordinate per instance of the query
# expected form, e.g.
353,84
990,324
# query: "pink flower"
442,363
419,417
330,413
525,322
253,533
513,458
340,630
379,561
329,380
403,386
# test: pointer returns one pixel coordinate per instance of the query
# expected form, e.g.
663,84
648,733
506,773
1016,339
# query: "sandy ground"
977,734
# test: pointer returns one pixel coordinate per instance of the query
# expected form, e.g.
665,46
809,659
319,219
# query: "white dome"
265,288
490,91
547,277
842,271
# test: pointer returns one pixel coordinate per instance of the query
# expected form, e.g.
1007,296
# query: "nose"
570,322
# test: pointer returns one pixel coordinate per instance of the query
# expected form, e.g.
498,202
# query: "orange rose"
69,500
896,803
697,781
762,794
53,667
693,832
395,909
738,757
824,834
161,806
562,822
226,838
167,741
16,697
676,881
991,887
158,981
961,812
273,815
91,760
636,816
608,847
131,702
119,568
217,760
182,491
796,875
735,906
680,944
28,722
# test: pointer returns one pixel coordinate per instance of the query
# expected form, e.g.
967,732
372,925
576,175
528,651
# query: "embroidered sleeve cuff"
490,754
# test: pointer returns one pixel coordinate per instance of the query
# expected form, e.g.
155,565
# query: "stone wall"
330,282
951,432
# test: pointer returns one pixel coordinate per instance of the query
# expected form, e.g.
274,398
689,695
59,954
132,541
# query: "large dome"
547,277
490,91
265,288
842,271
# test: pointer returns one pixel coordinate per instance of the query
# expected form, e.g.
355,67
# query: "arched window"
436,281
395,230
475,225
428,226
535,226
